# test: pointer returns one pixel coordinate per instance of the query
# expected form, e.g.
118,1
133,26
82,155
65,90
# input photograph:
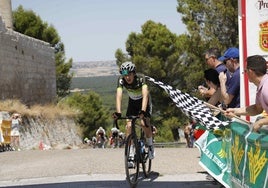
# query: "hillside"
98,76
94,68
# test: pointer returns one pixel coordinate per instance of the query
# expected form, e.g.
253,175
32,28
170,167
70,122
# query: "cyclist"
139,102
121,137
86,140
114,137
101,137
94,141
154,131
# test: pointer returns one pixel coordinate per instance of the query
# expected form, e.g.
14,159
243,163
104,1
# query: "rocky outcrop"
60,133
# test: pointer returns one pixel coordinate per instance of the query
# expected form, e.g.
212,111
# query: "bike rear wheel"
131,155
146,163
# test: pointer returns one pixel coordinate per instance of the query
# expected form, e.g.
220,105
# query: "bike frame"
139,157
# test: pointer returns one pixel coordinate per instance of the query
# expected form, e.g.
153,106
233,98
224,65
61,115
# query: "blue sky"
92,30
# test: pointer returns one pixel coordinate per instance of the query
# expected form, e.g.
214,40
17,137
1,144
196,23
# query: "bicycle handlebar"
128,117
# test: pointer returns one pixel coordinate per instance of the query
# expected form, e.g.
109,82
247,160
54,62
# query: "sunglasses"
124,72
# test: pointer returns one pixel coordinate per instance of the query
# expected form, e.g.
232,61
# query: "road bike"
136,151
101,141
114,140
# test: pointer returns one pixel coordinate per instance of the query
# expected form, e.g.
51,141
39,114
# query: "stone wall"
6,13
27,68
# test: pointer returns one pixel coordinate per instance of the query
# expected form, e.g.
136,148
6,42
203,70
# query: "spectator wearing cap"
214,60
230,88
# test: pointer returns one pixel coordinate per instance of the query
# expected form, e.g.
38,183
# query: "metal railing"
169,144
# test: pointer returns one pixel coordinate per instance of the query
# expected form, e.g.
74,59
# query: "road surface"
77,168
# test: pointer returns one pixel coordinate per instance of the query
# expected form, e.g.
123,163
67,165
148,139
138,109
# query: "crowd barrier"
237,158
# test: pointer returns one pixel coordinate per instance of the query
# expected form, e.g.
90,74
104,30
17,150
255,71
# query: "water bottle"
142,146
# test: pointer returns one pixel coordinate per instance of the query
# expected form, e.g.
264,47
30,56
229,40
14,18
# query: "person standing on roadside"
214,60
187,134
15,131
256,69
212,80
230,88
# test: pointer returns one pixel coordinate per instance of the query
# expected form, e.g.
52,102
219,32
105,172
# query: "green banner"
214,152
249,157
237,157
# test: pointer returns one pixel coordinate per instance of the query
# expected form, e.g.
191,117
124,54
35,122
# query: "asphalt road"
172,167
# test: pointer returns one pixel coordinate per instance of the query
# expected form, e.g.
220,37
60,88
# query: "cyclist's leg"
147,128
149,151
128,127
130,144
148,131
134,107
149,137
131,111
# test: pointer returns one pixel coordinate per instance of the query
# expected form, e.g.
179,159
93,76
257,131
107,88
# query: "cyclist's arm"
145,97
119,95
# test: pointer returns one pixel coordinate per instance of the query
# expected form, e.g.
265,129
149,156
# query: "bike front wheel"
132,160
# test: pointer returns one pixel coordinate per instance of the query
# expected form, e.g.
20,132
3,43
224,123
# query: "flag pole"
223,111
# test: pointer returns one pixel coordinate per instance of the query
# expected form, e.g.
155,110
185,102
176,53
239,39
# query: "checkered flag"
192,107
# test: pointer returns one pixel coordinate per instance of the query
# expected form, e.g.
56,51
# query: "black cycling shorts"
134,107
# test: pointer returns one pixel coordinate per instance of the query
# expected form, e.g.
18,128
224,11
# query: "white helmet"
127,67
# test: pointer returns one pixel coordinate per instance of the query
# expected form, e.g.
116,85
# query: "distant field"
105,86
101,84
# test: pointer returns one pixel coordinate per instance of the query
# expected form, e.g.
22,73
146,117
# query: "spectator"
1,136
15,131
262,115
192,138
257,74
212,81
213,60
180,134
230,88
187,134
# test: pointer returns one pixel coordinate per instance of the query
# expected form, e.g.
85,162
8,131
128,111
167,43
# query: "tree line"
177,60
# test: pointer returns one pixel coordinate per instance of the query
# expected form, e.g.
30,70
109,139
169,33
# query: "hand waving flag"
192,106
